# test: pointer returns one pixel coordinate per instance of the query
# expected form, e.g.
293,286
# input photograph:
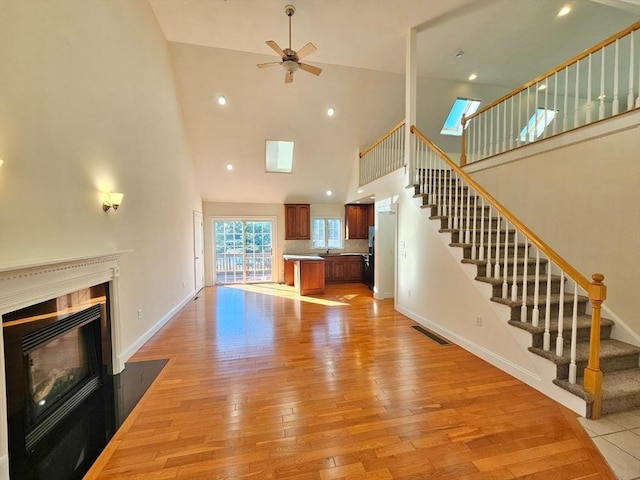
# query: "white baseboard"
534,380
128,353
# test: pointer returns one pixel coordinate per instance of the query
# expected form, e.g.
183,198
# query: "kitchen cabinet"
297,220
371,214
356,222
305,273
343,268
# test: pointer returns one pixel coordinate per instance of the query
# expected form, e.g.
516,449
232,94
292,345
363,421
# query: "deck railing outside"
384,156
543,284
599,83
243,267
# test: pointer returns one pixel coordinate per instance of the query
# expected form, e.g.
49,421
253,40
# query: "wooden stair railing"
452,192
560,99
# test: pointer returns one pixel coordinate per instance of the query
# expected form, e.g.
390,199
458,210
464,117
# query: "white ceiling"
215,45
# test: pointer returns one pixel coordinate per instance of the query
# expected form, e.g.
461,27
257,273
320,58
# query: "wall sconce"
113,200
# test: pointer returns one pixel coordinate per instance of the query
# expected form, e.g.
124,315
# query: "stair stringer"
531,369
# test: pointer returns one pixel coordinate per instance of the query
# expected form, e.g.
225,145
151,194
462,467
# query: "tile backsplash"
304,247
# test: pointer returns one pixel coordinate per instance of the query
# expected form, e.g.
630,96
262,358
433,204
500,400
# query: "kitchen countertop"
293,258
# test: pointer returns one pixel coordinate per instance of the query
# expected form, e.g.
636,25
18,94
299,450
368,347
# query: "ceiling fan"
290,58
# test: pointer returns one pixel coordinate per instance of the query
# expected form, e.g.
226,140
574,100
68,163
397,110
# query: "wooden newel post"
463,147
593,374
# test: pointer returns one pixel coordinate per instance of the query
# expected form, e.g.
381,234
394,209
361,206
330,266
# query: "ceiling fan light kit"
290,59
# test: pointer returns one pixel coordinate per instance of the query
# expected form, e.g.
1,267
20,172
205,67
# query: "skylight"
536,124
279,156
453,125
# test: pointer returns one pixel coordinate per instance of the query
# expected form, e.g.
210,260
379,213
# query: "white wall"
88,104
582,198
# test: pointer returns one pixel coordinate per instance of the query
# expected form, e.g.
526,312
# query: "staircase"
458,212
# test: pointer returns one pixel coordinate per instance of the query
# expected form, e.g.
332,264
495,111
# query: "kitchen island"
305,273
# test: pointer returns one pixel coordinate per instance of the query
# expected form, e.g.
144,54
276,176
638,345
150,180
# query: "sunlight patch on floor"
284,291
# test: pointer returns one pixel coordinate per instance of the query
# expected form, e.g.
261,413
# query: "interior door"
198,250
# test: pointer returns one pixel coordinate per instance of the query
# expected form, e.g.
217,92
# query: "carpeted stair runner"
619,361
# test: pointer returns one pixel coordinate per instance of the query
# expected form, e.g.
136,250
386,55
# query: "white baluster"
631,72
467,229
514,279
484,121
518,136
555,102
576,109
546,338
559,339
527,138
456,208
546,106
511,134
504,126
615,104
473,229
601,106
574,335
496,266
565,120
489,231
481,250
491,135
505,284
638,99
535,313
450,187
533,134
523,309
588,121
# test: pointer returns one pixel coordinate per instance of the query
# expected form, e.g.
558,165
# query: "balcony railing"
599,83
384,156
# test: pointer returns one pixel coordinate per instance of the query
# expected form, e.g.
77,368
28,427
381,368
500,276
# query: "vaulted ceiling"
216,44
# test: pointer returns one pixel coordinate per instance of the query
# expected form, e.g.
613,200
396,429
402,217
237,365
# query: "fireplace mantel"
30,282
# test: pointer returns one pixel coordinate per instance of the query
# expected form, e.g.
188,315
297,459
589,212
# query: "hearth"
60,401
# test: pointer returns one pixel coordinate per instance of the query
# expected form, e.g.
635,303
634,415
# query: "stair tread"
609,348
530,279
583,321
620,383
555,299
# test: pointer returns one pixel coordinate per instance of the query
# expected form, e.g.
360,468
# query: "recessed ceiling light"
542,87
360,190
459,54
229,166
372,197
564,10
329,193
222,100
472,77
331,112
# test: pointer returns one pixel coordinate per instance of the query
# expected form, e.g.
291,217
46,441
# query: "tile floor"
617,436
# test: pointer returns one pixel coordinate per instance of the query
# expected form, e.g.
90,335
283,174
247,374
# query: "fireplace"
56,391
57,355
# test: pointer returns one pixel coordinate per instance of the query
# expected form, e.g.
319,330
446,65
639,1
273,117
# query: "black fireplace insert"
57,357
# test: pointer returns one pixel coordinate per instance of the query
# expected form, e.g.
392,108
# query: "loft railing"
599,83
383,157
495,237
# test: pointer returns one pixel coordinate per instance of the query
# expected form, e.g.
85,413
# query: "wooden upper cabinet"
356,222
371,214
297,220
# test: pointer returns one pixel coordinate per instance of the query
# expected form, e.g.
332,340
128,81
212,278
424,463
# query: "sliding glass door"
243,251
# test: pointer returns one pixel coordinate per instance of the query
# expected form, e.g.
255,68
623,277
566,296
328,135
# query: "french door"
243,250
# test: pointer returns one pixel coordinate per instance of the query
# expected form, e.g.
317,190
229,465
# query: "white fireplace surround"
29,283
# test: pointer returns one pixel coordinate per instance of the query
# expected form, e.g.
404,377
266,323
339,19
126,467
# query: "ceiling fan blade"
310,68
306,50
269,64
288,77
276,48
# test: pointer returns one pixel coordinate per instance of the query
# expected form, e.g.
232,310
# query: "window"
453,123
279,156
536,125
326,233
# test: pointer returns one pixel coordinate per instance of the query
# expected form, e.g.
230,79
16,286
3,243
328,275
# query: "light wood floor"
260,386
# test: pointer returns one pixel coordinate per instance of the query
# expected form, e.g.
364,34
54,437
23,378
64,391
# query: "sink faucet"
327,251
